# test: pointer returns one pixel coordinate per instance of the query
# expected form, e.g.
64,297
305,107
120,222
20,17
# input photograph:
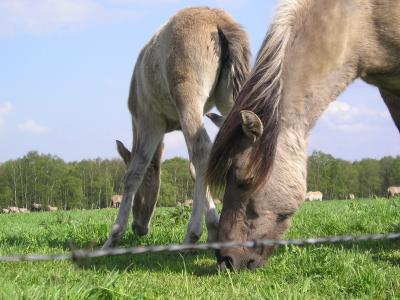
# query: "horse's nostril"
227,263
251,264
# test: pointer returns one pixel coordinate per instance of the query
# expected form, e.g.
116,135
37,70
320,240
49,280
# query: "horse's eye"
283,216
243,183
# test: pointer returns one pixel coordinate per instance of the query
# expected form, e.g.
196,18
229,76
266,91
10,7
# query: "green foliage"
176,172
361,270
168,190
48,180
336,178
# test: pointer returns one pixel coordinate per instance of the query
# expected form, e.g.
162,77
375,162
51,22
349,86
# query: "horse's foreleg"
199,145
149,137
392,100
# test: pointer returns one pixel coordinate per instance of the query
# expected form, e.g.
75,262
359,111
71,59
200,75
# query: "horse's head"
250,213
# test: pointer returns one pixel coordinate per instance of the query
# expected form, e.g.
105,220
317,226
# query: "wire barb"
82,254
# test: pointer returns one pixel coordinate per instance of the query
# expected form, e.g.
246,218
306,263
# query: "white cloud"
44,16
345,117
47,16
32,127
5,109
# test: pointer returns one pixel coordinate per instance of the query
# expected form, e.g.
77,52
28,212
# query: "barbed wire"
82,254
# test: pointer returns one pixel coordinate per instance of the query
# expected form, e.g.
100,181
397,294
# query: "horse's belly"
389,81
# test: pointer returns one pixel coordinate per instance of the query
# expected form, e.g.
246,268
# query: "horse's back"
182,57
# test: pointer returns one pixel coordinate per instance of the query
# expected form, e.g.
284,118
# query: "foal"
197,60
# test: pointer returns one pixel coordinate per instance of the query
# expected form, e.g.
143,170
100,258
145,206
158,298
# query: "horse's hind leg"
199,144
148,139
392,100
147,195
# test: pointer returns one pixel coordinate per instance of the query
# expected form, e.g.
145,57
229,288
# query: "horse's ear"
251,124
125,153
216,119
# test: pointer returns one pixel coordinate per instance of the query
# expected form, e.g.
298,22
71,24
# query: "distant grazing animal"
312,52
5,210
351,196
13,209
188,202
52,208
116,201
393,191
24,210
199,59
37,207
311,196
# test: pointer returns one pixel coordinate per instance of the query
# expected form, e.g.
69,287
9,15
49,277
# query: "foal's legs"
149,137
392,100
199,144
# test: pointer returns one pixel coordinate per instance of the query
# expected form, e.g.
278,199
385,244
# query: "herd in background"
35,207
116,200
392,191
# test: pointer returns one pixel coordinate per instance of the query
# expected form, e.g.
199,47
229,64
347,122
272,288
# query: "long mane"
260,94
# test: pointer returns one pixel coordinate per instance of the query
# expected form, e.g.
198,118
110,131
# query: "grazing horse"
37,207
116,201
13,209
393,191
311,196
197,60
313,50
52,208
350,196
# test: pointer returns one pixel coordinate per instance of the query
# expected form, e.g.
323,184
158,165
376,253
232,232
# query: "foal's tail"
235,55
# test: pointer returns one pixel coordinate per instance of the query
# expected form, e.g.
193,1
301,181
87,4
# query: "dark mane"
260,94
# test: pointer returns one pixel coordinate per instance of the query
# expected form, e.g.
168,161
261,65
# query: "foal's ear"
251,124
216,119
125,153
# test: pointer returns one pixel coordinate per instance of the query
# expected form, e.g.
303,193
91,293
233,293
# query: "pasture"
360,270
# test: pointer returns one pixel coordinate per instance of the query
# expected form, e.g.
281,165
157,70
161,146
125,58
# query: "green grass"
357,271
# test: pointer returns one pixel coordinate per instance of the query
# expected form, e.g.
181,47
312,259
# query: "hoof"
139,229
191,238
114,238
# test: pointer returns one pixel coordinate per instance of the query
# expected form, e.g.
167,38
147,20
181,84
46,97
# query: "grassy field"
361,270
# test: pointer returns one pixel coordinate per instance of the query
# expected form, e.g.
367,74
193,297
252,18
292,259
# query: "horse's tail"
235,55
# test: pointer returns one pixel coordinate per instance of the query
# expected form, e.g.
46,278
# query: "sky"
66,67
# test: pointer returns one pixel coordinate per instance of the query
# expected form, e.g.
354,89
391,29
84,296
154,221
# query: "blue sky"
66,67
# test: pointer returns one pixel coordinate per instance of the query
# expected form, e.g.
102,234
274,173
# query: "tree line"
48,180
